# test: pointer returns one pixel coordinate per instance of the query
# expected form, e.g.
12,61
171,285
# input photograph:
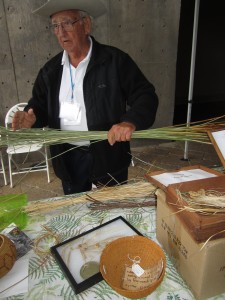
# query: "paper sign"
182,176
133,282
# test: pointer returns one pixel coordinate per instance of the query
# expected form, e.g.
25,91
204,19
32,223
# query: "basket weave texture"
7,255
115,257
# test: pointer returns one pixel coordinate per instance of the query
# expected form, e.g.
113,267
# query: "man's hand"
121,132
23,119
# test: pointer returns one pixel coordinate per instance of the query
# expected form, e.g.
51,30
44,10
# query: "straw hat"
94,8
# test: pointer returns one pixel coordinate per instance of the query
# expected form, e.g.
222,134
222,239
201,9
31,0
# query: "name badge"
71,113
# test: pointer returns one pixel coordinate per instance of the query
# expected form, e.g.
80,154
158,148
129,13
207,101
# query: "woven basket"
7,255
116,257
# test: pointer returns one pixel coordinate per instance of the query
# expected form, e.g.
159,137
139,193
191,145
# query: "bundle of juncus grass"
209,197
203,201
134,190
196,132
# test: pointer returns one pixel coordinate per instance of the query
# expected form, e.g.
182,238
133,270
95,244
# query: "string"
71,81
135,260
40,251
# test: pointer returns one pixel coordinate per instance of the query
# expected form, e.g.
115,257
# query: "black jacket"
115,90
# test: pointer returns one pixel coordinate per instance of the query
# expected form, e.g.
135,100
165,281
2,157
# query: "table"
46,280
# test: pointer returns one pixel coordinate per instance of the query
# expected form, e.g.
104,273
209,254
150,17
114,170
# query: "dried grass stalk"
140,189
202,201
196,132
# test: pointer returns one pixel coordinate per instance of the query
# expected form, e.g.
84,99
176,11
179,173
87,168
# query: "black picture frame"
60,251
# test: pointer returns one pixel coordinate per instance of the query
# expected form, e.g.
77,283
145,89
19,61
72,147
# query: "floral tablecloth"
46,280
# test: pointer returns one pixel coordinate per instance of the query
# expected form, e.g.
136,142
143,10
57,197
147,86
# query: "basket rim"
3,239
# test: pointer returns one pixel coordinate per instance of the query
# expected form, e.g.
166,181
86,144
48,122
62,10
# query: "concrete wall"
146,29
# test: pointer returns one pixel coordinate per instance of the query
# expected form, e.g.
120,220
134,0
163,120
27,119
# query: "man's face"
72,29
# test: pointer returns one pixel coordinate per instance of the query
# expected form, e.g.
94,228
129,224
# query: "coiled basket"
7,255
117,256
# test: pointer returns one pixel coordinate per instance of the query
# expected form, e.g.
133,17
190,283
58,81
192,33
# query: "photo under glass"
79,257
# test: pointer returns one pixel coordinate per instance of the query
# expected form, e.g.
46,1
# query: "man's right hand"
23,119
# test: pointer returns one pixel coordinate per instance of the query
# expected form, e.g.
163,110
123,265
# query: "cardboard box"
201,265
163,179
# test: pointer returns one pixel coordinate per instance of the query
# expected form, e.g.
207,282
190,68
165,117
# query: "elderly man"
88,86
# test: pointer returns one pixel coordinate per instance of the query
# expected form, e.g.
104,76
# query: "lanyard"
72,83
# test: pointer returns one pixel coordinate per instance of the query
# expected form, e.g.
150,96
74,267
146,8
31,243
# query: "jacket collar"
99,56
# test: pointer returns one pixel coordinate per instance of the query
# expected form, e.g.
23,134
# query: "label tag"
137,269
71,113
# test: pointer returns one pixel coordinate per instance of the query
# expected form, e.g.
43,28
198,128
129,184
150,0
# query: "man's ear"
87,24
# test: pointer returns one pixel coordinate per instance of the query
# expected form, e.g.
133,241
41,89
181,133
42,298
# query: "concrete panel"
8,90
148,31
32,43
101,26
162,75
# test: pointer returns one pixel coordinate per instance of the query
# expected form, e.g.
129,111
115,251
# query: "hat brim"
94,8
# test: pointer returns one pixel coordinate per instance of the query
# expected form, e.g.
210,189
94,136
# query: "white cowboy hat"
94,8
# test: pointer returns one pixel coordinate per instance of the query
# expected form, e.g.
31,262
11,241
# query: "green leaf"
11,210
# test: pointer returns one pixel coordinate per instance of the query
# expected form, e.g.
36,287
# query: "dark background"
209,81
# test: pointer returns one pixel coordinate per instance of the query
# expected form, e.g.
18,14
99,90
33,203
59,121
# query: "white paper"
70,112
219,137
8,228
18,273
182,176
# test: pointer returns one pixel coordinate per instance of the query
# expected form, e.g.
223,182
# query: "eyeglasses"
65,25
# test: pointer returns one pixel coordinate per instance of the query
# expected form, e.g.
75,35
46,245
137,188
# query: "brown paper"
132,282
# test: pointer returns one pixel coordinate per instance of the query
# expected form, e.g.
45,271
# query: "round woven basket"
7,255
117,256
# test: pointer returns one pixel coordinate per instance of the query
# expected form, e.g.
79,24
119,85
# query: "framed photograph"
218,140
79,257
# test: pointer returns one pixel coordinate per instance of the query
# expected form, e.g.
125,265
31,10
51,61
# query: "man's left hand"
121,132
